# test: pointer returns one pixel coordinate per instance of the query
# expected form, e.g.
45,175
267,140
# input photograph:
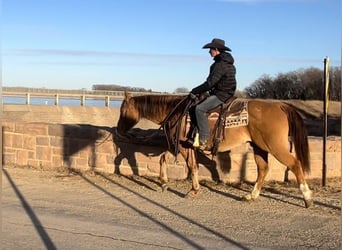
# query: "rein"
167,121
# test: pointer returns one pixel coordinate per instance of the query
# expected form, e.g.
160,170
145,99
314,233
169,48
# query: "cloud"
265,1
86,58
285,60
93,53
125,58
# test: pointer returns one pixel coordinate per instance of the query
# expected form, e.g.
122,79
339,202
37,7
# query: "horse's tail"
299,136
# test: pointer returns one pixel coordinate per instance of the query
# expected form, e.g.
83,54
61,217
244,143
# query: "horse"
272,126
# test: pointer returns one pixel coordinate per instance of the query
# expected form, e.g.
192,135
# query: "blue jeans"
201,117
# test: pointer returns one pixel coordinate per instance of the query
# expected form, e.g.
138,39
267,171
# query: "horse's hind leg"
261,160
295,166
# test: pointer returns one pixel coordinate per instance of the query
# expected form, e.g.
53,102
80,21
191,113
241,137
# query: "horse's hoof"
247,197
308,203
164,187
191,194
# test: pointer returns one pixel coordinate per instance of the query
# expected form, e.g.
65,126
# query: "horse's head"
129,114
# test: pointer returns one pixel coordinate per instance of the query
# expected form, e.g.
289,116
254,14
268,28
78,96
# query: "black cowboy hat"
216,43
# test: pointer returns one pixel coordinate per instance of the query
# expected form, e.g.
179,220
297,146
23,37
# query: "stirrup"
204,146
196,141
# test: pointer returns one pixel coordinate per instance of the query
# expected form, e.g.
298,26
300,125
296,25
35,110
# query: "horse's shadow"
147,142
77,137
151,143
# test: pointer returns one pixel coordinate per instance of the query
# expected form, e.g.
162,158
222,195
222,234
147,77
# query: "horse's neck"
155,119
158,112
159,117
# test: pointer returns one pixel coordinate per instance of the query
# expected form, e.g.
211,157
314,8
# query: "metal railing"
56,94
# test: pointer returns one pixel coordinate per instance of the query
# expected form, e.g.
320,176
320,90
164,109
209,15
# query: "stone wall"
101,116
86,147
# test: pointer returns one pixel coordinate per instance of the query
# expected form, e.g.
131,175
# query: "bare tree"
181,90
335,83
300,84
312,80
261,88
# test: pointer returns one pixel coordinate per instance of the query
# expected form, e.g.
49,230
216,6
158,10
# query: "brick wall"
87,146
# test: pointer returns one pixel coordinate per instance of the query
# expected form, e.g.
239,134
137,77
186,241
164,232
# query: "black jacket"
221,80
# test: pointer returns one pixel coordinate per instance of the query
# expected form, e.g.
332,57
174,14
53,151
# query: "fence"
58,94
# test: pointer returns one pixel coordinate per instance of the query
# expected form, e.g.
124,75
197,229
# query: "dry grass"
312,112
315,108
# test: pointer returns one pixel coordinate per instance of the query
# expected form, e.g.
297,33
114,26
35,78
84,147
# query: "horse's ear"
127,95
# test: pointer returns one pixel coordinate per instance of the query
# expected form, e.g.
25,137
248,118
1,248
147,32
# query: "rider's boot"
191,134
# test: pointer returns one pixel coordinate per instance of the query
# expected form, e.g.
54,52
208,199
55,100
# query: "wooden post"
83,99
28,99
56,99
107,101
325,118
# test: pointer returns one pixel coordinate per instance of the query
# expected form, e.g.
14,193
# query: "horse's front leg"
163,170
191,162
261,160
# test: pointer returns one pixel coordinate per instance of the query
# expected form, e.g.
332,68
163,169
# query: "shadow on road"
146,215
35,220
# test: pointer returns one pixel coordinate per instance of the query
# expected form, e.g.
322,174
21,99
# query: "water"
89,102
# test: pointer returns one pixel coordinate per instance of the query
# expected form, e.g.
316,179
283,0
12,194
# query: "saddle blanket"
234,118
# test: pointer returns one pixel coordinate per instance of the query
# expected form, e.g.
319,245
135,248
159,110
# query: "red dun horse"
270,125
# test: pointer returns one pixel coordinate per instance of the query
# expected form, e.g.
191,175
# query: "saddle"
232,113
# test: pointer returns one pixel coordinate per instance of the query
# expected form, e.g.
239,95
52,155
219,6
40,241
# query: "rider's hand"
204,95
192,96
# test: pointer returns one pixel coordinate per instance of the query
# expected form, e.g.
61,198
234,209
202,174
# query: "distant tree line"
304,84
181,90
114,87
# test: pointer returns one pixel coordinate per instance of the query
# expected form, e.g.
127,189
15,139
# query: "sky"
157,44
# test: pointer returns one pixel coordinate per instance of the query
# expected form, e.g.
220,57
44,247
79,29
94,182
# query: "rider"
220,86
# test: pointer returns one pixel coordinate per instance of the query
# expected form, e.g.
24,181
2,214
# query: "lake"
89,102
